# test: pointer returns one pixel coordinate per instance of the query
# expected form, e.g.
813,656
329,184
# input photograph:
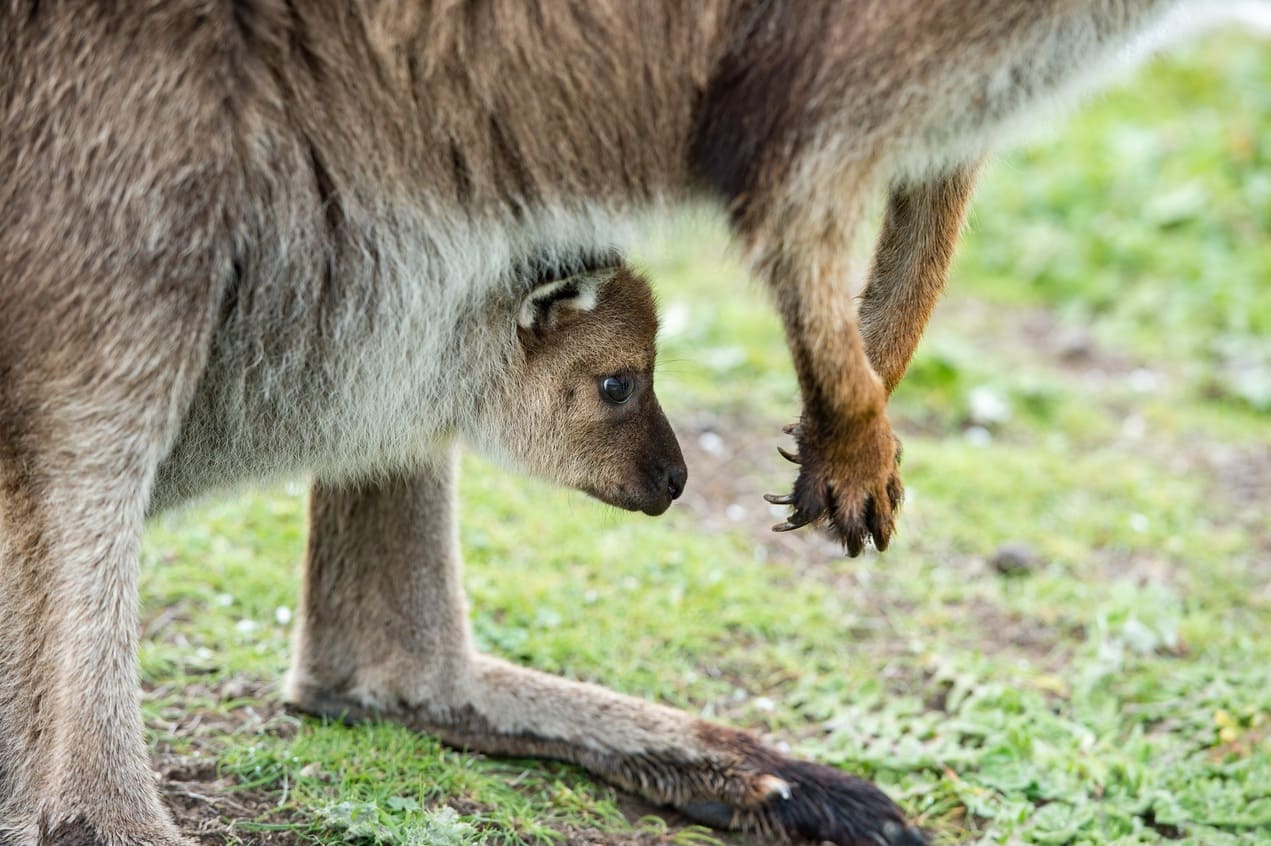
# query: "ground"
1069,642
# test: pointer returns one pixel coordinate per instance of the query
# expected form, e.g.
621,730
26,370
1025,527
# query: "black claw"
797,520
871,514
874,524
854,541
779,499
793,458
895,492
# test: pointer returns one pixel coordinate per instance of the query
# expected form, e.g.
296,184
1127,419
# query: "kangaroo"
261,238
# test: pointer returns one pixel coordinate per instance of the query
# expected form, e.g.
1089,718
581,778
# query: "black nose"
675,479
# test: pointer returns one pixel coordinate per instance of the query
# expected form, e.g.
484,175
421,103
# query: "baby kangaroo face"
580,410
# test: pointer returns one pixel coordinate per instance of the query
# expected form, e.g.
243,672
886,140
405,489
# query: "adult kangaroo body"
253,238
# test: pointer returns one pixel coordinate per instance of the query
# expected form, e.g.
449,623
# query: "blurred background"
1069,642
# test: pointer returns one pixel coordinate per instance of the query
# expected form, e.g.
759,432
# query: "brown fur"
244,238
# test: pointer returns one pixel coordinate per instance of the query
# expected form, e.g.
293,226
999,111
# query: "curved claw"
779,499
794,521
895,492
793,458
795,429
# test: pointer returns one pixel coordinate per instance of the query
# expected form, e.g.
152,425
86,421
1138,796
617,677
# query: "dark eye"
616,389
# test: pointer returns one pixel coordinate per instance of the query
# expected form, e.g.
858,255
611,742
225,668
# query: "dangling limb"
848,481
849,361
920,232
383,633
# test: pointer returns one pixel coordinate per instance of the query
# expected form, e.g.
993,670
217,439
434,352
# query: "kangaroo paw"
848,482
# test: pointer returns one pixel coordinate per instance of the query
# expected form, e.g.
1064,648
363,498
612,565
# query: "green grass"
1113,296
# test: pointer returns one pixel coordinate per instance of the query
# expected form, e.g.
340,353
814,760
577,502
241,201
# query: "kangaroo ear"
551,304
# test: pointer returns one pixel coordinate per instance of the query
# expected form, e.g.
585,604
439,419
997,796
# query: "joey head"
578,406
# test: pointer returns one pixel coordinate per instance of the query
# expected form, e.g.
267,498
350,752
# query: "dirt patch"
1238,476
1243,474
1038,333
732,462
1046,645
210,807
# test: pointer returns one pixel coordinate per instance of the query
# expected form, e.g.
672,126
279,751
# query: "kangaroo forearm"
835,376
847,479
815,287
911,263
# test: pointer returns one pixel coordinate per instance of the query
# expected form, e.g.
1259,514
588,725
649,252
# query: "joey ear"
551,304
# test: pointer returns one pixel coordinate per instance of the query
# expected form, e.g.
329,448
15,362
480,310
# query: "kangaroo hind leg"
88,406
383,633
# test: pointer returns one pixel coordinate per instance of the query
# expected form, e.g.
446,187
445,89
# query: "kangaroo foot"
797,800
